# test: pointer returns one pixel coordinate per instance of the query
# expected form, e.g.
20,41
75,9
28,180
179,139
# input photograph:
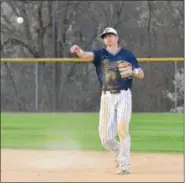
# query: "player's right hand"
74,49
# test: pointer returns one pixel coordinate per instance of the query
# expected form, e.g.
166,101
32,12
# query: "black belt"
114,91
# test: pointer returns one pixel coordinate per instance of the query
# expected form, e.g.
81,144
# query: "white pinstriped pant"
114,119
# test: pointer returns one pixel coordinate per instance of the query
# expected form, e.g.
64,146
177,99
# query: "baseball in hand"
20,20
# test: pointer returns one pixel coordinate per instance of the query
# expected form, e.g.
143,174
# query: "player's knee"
123,131
107,142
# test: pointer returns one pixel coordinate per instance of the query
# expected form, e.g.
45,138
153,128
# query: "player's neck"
113,48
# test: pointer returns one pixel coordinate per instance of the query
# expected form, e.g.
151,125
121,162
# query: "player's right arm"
81,53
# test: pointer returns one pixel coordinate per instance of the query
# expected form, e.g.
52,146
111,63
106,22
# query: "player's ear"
118,40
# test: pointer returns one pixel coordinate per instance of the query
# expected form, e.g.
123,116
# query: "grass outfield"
150,132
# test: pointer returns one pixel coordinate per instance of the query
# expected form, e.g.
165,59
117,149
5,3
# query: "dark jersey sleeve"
133,60
97,57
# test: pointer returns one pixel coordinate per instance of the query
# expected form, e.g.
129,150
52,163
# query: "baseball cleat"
122,172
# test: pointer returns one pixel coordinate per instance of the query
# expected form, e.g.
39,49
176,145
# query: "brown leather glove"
125,69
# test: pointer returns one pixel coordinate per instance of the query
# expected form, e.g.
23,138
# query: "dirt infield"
55,165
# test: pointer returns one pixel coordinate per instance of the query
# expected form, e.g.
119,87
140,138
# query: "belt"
116,91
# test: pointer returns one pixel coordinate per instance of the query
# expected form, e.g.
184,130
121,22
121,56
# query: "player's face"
110,39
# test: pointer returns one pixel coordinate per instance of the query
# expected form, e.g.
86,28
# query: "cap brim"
102,35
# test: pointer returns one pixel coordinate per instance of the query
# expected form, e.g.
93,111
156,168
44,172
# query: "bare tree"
146,28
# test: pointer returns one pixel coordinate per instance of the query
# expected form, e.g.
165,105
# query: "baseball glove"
125,69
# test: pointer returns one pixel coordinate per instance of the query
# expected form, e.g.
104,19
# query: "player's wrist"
80,52
135,72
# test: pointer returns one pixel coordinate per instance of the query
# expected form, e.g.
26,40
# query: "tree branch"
118,14
149,27
15,41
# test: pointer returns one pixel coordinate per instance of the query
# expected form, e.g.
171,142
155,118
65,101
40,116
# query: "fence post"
36,86
175,64
54,39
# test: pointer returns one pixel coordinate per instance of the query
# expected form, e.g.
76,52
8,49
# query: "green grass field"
150,132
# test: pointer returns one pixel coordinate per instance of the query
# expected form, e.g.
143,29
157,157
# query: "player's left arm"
137,70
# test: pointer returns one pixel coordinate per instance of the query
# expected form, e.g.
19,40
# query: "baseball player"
115,67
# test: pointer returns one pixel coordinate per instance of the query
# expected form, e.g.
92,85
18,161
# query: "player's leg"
124,110
108,123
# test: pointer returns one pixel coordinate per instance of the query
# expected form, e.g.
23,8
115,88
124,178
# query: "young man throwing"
115,67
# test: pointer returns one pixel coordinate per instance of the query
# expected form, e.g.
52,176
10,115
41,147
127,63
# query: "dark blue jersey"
103,54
